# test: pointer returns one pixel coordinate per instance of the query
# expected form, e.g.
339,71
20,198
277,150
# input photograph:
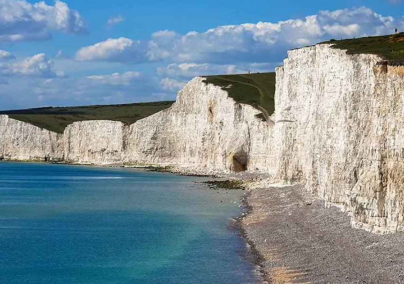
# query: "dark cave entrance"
240,161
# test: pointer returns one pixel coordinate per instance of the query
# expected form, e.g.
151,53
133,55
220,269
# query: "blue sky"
76,52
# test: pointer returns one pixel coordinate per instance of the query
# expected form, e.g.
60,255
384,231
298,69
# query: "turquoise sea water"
64,224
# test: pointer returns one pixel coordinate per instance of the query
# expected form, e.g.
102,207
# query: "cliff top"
58,118
257,90
390,47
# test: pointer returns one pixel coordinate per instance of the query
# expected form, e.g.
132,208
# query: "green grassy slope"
390,47
57,119
257,90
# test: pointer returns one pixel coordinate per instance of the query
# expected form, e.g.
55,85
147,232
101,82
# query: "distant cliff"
204,132
24,142
338,128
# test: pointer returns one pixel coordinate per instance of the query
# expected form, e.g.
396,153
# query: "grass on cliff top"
390,47
58,118
257,90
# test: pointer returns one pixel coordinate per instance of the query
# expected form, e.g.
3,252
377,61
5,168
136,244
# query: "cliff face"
25,142
205,131
345,137
338,128
98,142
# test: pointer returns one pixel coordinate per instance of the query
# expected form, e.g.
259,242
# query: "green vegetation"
390,47
257,90
57,119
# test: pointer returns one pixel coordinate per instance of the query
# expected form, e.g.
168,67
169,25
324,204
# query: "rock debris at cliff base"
304,242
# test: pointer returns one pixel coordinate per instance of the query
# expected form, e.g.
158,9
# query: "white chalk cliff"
339,128
205,131
21,141
347,139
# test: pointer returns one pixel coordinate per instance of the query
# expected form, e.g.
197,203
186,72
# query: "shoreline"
302,241
254,255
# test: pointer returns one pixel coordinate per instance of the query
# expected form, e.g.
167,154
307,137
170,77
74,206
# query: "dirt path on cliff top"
303,242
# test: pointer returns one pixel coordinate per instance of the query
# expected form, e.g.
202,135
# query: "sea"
63,224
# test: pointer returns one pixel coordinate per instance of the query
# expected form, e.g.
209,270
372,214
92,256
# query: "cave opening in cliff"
239,162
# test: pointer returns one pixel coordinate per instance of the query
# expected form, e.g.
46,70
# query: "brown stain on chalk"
386,69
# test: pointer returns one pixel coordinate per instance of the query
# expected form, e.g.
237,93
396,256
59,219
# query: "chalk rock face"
98,142
24,142
205,131
341,130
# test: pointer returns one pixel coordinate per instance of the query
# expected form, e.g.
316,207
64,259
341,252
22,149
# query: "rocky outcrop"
343,134
338,129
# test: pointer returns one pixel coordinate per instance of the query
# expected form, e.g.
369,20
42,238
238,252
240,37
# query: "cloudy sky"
76,52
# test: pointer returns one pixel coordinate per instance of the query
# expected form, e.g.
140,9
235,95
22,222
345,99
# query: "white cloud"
5,55
115,79
188,70
21,20
338,30
248,43
172,85
161,45
48,81
121,49
115,20
36,66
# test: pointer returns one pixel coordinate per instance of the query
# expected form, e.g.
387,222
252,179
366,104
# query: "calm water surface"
68,224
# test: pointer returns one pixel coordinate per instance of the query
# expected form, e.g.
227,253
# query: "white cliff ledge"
338,128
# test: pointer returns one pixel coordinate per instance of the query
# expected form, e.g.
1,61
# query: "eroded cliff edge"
337,129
